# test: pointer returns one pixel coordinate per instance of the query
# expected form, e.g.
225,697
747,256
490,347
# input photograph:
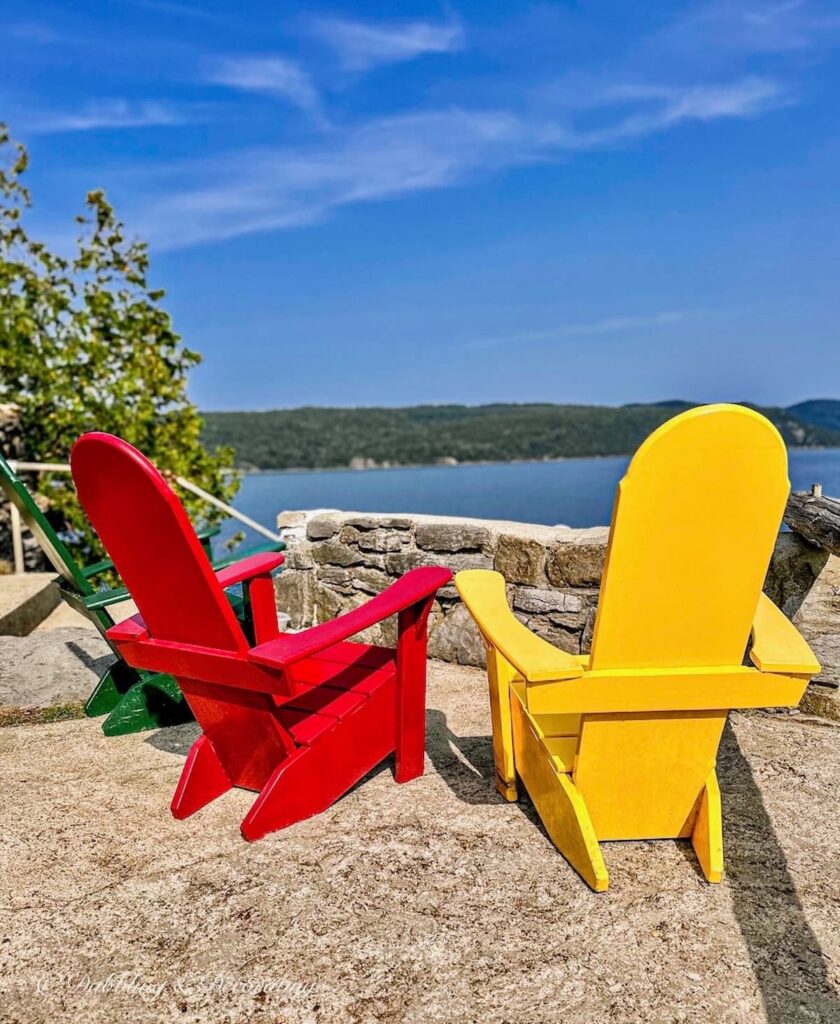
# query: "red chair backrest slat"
153,545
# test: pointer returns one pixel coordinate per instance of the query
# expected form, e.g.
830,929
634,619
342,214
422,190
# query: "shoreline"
476,462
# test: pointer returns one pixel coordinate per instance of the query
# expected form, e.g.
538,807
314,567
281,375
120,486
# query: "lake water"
577,492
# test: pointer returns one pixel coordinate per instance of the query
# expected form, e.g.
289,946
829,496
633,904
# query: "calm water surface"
577,492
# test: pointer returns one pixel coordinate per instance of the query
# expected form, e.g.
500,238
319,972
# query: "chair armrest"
259,549
413,588
247,568
536,660
777,645
130,630
259,607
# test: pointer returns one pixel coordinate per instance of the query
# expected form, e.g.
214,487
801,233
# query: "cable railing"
16,523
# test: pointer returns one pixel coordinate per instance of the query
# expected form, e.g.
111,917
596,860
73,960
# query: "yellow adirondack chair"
622,744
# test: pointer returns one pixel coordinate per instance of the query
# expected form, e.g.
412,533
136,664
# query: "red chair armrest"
413,588
130,630
247,568
255,572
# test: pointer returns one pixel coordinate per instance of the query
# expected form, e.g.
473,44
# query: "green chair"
133,699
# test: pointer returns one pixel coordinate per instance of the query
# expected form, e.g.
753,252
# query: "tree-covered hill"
822,412
323,437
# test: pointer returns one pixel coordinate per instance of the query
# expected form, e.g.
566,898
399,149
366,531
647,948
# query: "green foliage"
321,438
85,345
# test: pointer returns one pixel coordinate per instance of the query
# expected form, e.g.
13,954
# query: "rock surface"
51,667
429,902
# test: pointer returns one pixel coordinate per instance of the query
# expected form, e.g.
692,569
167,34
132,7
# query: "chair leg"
295,791
707,834
312,778
410,751
112,686
202,780
559,804
152,703
499,675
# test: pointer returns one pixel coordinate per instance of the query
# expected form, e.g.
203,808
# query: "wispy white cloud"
105,114
275,188
659,108
269,189
362,45
273,76
595,328
756,26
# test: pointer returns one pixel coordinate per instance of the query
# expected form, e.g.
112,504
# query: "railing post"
17,537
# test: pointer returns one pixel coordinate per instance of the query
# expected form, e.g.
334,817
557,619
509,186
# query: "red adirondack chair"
298,717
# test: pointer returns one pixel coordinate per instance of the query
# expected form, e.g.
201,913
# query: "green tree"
85,345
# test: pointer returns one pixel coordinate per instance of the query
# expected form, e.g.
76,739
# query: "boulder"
369,581
324,525
339,579
298,555
51,667
818,619
333,552
379,522
452,536
398,562
520,559
456,638
295,593
328,603
572,564
382,541
290,520
536,601
566,640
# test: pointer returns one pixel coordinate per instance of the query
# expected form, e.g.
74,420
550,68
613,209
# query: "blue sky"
369,203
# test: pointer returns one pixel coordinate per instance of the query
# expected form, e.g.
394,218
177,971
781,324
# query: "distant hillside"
323,438
820,412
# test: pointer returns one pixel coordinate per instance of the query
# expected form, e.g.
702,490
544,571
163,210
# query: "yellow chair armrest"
777,645
536,660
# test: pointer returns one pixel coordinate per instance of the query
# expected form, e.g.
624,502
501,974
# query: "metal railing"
64,467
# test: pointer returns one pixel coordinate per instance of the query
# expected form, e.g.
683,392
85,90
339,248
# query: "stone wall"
337,560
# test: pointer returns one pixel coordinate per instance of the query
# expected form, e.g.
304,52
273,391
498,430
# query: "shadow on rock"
98,664
789,964
465,763
176,739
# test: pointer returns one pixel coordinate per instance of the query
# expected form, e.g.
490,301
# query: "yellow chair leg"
558,803
707,834
499,675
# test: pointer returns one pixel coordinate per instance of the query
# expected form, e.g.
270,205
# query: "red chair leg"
411,692
293,793
314,777
202,780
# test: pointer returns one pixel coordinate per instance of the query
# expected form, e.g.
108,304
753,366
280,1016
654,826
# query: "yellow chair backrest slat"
693,528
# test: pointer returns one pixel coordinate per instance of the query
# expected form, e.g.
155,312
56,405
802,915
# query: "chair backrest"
153,545
693,528
51,544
